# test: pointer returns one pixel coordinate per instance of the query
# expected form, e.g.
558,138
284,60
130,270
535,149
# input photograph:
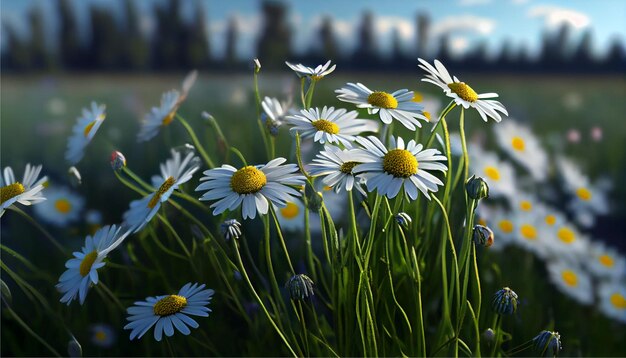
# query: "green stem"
40,228
196,142
27,328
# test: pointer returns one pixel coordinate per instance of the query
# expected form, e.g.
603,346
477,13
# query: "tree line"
118,43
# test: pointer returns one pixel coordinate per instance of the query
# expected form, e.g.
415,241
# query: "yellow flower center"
248,180
583,194
316,77
417,97
606,260
169,118
347,167
482,222
570,278
518,144
382,100
85,265
528,232
167,184
427,115
550,219
290,211
88,128
492,173
400,163
101,336
526,205
618,301
327,188
506,226
566,235
63,206
464,91
326,126
169,305
11,191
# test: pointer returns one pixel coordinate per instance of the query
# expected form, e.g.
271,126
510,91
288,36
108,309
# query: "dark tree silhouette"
328,43
71,52
366,52
232,34
274,45
195,40
421,37
41,58
105,47
136,48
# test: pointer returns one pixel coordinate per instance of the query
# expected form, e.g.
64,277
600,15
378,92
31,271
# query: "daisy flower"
398,105
530,233
315,74
462,93
163,115
102,335
613,300
571,280
499,175
566,240
604,261
82,270
26,192
520,143
431,104
330,125
500,221
175,172
335,165
388,171
275,113
169,311
251,187
61,207
588,198
291,216
83,132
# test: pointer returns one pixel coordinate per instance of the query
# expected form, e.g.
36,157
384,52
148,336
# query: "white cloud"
554,16
520,2
464,23
459,44
473,2
384,25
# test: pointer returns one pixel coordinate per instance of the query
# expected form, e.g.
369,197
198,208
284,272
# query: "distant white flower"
83,132
588,198
315,74
570,279
175,172
163,115
251,187
61,207
275,113
330,125
522,145
613,300
169,312
82,270
102,335
388,170
501,222
605,262
291,216
499,175
530,232
398,105
26,192
462,93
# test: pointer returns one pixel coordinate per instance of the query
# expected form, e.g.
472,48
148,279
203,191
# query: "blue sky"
467,21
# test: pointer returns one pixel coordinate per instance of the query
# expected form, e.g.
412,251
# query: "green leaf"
6,292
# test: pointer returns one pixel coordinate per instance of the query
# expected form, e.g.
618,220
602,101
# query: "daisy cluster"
582,267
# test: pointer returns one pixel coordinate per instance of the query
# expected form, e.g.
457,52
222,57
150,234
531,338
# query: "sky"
468,22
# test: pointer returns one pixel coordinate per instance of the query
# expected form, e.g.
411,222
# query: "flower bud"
314,199
547,342
230,229
483,235
300,287
489,335
477,188
74,349
403,219
257,65
117,160
75,178
504,301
